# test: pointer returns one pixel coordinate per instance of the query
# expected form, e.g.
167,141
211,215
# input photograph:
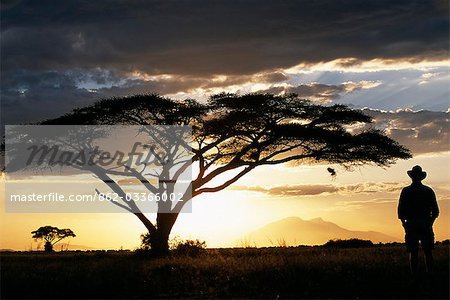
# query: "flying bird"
331,171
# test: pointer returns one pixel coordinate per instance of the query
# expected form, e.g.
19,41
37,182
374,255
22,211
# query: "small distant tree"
51,235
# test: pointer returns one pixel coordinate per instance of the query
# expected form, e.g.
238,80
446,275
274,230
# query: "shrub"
177,245
351,243
188,247
145,242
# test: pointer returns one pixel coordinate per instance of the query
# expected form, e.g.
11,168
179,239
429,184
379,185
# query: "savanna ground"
303,272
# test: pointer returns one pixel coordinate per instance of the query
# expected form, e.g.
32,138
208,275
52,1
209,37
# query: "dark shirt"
417,202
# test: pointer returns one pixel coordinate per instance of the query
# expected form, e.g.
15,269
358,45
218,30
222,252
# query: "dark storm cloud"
53,53
216,37
29,96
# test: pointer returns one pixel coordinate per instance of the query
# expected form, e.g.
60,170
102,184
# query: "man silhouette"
418,209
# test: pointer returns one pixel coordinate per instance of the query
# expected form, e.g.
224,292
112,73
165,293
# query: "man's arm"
401,207
434,207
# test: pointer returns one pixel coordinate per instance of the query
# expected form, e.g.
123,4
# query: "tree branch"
142,179
224,185
117,189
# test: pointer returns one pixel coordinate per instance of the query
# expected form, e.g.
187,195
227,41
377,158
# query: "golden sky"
364,199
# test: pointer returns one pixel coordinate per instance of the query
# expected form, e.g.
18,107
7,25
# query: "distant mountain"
295,231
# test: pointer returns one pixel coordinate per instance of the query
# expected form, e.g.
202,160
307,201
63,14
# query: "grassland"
377,272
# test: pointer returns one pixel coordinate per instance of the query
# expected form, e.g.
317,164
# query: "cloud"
346,205
372,187
421,131
241,37
426,77
55,57
354,65
312,190
365,203
293,190
322,92
33,95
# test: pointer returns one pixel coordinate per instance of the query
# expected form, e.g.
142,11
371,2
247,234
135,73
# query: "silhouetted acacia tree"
234,134
51,235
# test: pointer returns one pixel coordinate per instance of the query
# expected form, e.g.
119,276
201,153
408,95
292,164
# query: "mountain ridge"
293,231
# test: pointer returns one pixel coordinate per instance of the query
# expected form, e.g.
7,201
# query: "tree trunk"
159,239
48,247
159,243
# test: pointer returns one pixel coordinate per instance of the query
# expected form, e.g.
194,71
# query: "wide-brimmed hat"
417,173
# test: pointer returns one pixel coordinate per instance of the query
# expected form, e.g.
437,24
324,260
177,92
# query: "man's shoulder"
425,188
418,188
407,188
414,188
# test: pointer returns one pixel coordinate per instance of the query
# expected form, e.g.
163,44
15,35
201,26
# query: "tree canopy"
245,131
